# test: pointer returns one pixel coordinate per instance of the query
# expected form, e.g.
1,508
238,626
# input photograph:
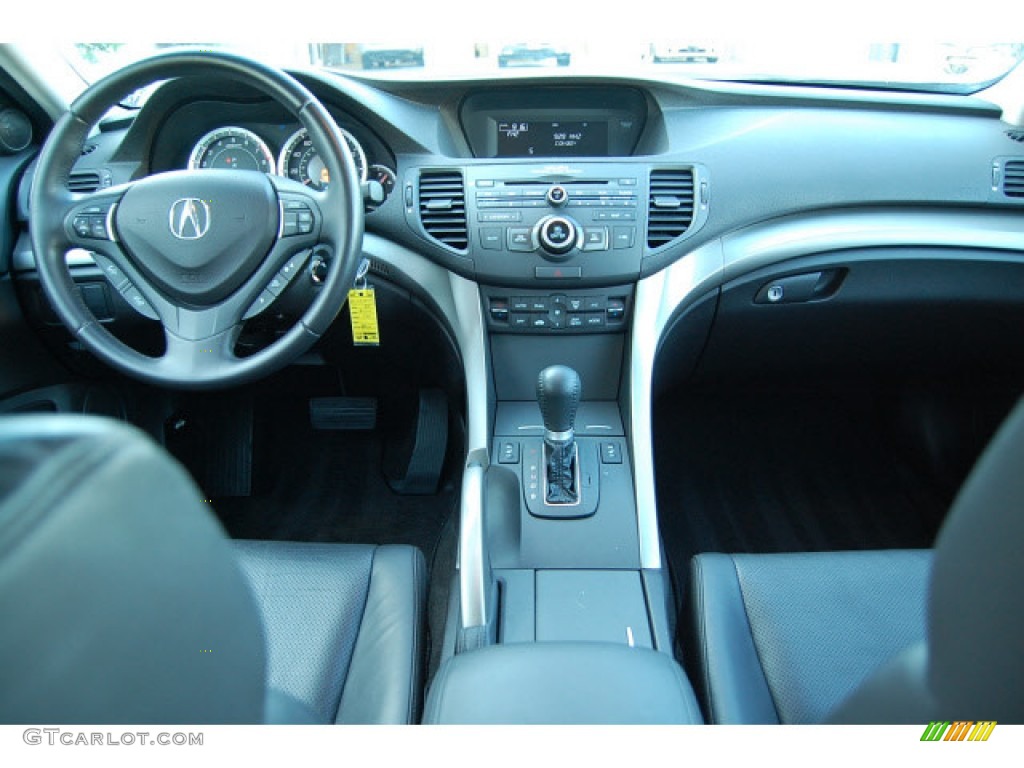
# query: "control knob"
557,234
557,195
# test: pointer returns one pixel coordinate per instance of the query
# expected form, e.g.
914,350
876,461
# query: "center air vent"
670,206
443,207
1013,178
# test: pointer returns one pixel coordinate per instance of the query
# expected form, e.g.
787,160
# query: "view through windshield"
945,66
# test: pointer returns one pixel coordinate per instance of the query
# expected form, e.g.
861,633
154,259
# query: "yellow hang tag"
362,307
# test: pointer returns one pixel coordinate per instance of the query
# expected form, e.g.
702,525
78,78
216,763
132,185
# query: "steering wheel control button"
557,195
111,271
263,301
277,284
557,235
138,302
91,222
298,219
293,266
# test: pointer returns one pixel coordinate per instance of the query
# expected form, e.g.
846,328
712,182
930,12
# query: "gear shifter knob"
558,394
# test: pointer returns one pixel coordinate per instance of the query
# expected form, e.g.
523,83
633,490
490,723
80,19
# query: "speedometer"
300,161
232,148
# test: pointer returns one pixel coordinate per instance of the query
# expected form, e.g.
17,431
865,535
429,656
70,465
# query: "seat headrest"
120,596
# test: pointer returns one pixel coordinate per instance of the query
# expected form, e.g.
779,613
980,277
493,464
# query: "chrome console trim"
458,300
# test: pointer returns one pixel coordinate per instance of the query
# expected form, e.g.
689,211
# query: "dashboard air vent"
1013,178
443,207
89,181
670,205
1017,136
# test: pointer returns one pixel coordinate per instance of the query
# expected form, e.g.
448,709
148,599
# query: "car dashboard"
553,185
655,236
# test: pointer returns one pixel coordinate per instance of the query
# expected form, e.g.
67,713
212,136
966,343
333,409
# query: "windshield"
949,67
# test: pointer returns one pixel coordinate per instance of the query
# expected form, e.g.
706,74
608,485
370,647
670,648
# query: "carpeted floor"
780,471
332,489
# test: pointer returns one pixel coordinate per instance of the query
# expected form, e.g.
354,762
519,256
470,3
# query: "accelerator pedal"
412,466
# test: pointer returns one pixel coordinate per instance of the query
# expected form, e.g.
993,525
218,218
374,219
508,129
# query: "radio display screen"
555,138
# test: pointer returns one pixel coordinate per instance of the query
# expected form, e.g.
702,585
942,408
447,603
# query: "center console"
559,618
580,632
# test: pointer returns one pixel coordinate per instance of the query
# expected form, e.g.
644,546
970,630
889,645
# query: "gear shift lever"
558,394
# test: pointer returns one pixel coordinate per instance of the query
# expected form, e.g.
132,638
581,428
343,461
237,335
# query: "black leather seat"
874,637
123,601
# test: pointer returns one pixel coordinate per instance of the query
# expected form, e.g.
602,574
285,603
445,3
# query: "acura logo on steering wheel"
189,218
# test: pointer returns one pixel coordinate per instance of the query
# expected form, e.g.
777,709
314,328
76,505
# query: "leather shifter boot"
561,471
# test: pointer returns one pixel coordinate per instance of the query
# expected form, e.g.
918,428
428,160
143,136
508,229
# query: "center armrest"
562,684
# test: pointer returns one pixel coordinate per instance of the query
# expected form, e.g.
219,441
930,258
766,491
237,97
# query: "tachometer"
232,148
300,161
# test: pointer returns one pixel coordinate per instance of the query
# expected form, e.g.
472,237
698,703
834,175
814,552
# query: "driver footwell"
270,474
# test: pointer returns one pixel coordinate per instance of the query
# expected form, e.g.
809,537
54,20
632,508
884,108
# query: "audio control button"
595,238
490,238
520,239
557,234
557,195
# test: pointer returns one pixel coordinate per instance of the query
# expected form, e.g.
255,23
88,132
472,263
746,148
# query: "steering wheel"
198,250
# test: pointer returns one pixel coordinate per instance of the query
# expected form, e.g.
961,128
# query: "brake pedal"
343,413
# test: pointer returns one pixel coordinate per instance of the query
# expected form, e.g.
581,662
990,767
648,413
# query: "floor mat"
785,472
326,485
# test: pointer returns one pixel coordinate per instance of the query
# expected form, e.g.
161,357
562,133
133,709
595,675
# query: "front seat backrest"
970,667
111,617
